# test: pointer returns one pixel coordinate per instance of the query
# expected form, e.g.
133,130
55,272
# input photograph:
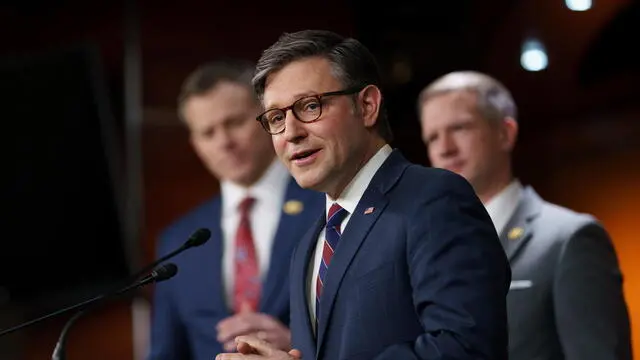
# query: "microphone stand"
164,272
198,238
59,352
70,308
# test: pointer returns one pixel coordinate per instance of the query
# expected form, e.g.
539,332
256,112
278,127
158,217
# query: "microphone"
197,238
165,272
162,273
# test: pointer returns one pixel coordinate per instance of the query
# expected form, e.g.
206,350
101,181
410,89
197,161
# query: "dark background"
97,163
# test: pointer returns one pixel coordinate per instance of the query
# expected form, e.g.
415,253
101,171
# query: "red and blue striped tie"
332,236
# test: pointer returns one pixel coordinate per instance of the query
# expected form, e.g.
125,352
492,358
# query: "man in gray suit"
566,299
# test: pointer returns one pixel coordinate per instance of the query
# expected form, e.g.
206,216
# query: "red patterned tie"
247,277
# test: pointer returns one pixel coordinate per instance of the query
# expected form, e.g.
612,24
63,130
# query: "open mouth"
303,154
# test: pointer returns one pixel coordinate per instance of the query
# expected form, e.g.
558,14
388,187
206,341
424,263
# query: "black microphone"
162,273
197,238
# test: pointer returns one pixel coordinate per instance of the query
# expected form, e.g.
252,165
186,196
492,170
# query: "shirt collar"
270,187
351,195
502,206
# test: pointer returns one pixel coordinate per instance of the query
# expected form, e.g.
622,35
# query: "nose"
294,130
447,147
224,139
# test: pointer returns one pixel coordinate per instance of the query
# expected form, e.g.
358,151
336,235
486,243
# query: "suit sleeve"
591,313
168,338
460,277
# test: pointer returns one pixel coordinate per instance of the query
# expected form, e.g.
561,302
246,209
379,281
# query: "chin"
242,178
456,170
306,180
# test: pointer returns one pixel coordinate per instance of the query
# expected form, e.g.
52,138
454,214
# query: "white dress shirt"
502,206
269,193
348,200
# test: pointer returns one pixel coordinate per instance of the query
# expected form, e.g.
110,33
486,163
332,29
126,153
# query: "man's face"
459,139
323,154
225,134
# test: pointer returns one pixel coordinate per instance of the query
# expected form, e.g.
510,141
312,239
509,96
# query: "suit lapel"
350,241
211,219
519,230
298,204
299,294
369,209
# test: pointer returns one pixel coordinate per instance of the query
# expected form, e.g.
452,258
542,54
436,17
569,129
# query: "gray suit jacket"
566,300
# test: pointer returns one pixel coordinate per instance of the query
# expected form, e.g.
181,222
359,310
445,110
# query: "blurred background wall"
579,115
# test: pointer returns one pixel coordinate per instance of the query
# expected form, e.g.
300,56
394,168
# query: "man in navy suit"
406,263
238,282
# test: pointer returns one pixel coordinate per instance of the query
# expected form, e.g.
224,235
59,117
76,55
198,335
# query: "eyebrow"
463,119
297,97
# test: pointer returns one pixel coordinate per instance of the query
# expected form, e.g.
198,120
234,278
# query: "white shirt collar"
351,195
270,187
502,206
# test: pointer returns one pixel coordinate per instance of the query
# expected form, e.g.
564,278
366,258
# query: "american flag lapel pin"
369,210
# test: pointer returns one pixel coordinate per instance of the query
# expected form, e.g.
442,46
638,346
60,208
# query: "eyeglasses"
306,109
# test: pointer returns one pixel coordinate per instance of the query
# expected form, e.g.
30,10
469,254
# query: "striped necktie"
332,236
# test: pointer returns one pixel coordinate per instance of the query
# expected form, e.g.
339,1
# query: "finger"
229,334
263,335
267,322
230,357
263,322
230,346
279,337
232,321
244,348
246,308
255,321
261,346
296,353
238,325
224,324
273,339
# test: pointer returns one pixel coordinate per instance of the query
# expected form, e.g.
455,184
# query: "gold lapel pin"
293,207
515,233
369,210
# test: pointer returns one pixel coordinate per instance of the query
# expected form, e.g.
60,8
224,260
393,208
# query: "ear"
370,100
508,133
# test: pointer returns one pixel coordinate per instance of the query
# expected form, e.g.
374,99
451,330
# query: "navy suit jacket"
422,276
187,308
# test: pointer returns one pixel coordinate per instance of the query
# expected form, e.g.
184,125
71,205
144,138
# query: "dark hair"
206,76
351,62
